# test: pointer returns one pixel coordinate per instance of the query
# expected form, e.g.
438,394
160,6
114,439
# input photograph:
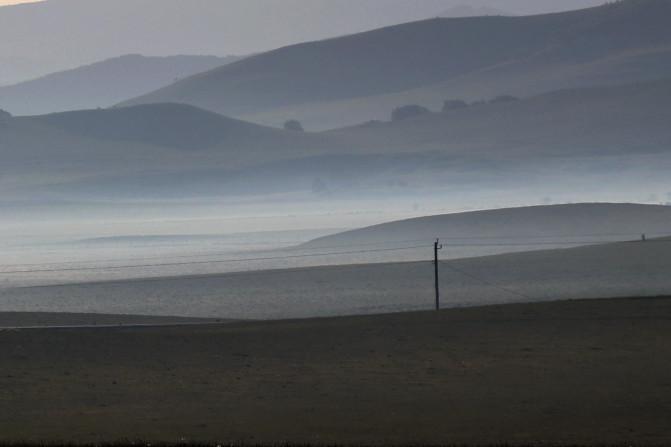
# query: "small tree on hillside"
409,111
454,104
294,126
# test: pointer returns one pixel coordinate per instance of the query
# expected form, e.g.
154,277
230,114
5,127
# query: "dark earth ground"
574,372
20,320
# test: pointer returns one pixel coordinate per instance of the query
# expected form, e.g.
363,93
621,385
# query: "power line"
554,243
214,253
530,244
572,235
222,261
385,242
447,265
486,282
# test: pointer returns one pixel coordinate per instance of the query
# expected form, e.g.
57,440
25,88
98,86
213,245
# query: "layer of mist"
164,205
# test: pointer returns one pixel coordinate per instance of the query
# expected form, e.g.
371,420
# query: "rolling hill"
616,120
562,143
625,269
113,152
167,125
516,229
344,80
102,84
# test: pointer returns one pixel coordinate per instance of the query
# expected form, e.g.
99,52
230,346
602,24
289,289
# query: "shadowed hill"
613,120
170,125
569,138
102,84
123,150
421,54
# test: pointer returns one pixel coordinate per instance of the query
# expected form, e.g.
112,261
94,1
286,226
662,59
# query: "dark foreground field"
569,372
27,320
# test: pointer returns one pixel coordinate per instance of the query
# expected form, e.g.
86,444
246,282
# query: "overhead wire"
82,265
294,249
214,253
484,281
221,261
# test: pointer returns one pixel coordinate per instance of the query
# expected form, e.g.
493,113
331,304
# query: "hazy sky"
59,34
14,2
521,5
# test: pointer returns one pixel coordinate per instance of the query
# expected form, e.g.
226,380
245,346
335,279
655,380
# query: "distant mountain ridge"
333,82
102,84
51,36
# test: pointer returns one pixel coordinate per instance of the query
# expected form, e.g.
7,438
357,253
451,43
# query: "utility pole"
437,246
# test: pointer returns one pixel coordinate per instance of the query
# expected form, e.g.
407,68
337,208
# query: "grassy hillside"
610,270
518,226
403,58
102,84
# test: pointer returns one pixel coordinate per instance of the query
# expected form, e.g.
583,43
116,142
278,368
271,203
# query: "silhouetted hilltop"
490,52
473,11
